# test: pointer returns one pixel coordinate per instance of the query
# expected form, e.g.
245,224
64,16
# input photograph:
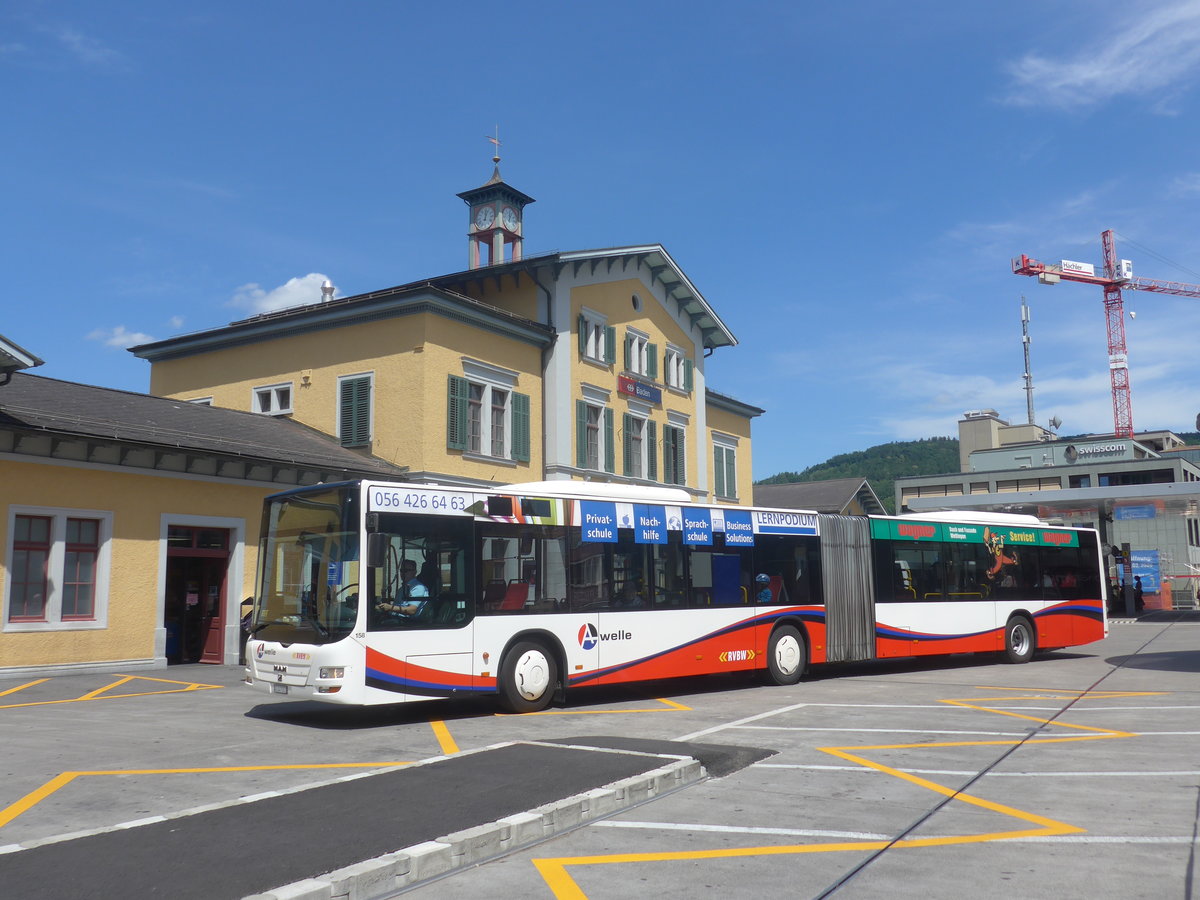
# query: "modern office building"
1141,493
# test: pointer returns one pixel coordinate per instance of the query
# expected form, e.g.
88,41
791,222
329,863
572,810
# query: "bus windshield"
308,564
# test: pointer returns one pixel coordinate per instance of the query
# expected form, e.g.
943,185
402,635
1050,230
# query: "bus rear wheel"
528,677
1019,642
786,655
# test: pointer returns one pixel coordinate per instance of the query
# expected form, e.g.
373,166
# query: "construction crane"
1116,277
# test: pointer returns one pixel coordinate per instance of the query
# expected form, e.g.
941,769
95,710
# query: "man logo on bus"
588,638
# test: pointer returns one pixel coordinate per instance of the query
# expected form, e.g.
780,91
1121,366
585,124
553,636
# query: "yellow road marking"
564,887
60,781
102,693
22,687
444,739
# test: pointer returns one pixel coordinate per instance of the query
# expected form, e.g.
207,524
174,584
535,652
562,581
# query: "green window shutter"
628,354
456,413
610,451
583,335
580,434
688,366
652,362
718,473
627,444
669,455
520,427
610,344
652,450
680,458
354,413
730,472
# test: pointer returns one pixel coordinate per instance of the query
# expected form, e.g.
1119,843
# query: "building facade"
1142,494
129,523
585,365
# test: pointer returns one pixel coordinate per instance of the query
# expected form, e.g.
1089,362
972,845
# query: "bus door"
420,584
849,587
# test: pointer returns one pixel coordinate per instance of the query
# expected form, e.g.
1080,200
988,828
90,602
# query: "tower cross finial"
495,141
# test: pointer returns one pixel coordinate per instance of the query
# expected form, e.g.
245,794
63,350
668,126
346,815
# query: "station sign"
634,388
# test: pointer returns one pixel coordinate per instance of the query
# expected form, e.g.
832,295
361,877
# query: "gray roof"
99,417
832,496
442,295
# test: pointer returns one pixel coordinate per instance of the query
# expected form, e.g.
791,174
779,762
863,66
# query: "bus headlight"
333,672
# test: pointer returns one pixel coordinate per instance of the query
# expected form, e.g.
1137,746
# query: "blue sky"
846,183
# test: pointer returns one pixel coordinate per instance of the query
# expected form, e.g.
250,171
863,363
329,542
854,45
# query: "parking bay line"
554,870
853,835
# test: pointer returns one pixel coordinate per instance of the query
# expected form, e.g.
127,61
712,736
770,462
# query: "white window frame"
54,566
673,365
681,422
492,380
729,445
597,399
640,413
202,401
637,349
273,395
595,323
638,456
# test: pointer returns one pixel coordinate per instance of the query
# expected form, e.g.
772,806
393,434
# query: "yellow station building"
585,365
130,530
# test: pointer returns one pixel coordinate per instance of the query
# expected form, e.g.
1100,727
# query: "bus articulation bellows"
377,592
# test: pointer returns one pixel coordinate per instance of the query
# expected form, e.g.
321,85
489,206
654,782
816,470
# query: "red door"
197,562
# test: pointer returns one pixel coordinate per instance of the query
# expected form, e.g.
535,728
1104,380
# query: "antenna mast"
1028,370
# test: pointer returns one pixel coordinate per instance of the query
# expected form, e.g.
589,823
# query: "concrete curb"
386,875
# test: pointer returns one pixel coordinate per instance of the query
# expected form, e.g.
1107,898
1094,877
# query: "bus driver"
413,594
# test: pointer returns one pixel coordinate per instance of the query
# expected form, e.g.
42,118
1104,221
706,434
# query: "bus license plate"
279,688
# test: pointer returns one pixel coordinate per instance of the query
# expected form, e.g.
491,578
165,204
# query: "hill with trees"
882,465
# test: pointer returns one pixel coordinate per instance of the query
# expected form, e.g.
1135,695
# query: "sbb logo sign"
588,638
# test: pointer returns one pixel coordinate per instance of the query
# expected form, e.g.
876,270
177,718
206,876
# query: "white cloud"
85,48
1148,51
1185,185
295,292
176,322
119,337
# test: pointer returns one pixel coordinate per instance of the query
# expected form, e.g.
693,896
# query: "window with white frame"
725,466
273,399
641,356
597,340
677,369
201,401
674,454
58,563
594,447
486,416
593,441
355,409
641,446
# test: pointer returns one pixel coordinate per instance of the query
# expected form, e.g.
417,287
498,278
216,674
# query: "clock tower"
495,229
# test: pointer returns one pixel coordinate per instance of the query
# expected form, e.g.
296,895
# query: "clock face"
484,217
509,216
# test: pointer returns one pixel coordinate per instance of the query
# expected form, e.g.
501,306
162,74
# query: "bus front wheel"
528,677
1019,642
786,655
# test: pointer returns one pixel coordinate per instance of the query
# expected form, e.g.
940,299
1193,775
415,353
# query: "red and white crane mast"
1118,275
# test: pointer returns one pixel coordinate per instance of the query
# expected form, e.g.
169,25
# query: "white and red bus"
372,592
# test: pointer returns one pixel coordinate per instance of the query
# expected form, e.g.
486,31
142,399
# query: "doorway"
194,607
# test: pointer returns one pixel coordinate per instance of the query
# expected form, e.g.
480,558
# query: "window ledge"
484,458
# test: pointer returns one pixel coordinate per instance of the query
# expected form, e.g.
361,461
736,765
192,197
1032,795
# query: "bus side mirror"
377,548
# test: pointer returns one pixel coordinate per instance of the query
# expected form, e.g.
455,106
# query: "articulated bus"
372,592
